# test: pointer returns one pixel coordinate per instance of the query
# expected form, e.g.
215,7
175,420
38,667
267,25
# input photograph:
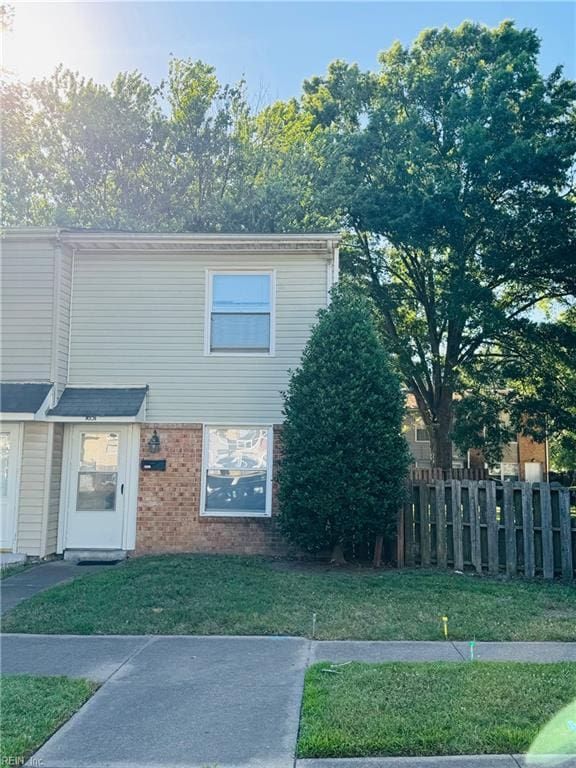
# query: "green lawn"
10,570
363,710
32,708
203,594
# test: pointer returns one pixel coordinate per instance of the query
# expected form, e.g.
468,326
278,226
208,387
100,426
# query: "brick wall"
169,503
528,451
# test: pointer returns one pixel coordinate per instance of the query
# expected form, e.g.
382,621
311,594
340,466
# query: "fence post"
565,533
510,526
528,530
424,525
400,538
441,544
492,528
409,527
547,535
457,532
475,541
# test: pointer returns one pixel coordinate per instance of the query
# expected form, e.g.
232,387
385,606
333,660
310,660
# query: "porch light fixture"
154,443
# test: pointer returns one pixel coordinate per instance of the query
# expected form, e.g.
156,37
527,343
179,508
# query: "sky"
274,45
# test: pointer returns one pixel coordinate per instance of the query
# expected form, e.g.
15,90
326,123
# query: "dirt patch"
321,566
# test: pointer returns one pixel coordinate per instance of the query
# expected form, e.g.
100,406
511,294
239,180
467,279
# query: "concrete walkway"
14,589
225,702
358,650
172,701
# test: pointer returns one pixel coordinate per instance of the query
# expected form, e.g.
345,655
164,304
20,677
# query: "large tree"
189,155
453,170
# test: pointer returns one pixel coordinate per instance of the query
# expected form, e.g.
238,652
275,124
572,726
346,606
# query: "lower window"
236,471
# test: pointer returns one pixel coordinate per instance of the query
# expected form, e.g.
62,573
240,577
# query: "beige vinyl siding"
27,309
138,318
33,490
420,451
55,486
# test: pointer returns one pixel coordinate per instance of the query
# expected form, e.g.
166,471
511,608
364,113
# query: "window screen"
240,313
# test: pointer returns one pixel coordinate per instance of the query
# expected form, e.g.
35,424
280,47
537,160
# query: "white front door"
10,455
97,490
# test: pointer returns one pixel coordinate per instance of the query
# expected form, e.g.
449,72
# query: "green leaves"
455,180
188,156
343,455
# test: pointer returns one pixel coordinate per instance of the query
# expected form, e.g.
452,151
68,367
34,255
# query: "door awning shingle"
24,398
100,403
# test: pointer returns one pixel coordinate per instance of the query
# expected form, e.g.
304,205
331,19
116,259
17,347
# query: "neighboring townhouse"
141,386
522,459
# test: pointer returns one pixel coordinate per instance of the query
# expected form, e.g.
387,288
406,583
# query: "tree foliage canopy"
455,181
450,172
189,155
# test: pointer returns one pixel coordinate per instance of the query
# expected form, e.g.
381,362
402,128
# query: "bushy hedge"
344,458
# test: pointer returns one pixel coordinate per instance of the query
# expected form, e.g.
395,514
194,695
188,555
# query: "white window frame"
208,311
236,513
416,428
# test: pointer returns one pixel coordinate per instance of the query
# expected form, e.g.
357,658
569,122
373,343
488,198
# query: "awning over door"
23,401
100,404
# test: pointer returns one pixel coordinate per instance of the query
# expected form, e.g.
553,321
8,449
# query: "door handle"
122,489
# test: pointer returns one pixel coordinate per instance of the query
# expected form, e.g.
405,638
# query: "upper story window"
241,313
420,432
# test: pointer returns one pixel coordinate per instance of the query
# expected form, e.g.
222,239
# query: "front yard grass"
363,710
207,595
11,570
32,708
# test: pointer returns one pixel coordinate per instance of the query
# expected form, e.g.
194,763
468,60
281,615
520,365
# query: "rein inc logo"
555,745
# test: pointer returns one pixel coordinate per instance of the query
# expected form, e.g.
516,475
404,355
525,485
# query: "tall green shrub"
344,457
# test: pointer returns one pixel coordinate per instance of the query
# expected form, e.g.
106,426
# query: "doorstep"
95,555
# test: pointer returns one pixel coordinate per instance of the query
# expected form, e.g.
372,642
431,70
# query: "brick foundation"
169,503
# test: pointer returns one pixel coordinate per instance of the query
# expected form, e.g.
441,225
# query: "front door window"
98,472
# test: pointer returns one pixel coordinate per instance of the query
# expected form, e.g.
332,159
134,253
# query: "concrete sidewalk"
14,589
172,701
97,657
230,702
391,650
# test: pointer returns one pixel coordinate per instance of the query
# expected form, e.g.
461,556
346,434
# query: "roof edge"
87,234
30,233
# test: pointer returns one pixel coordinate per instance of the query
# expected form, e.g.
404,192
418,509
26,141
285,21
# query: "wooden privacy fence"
419,474
517,528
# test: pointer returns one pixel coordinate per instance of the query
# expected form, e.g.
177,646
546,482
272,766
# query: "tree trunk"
441,440
377,561
338,555
441,433
441,448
